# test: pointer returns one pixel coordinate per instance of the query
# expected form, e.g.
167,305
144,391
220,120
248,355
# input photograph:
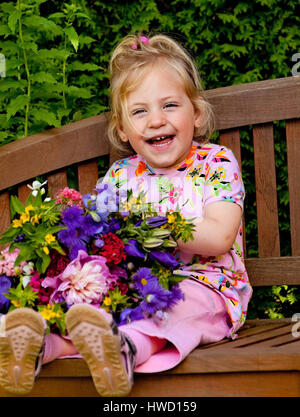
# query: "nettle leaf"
81,66
79,92
12,19
42,24
16,104
60,54
72,36
46,116
43,77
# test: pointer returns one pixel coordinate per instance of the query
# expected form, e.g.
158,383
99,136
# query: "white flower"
36,186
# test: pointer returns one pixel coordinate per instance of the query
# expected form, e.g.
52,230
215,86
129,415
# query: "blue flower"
131,314
132,249
155,297
142,277
5,285
156,221
165,258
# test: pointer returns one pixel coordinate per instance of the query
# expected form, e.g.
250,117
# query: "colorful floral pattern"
209,173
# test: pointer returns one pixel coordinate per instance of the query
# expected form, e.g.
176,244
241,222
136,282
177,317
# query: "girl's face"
163,118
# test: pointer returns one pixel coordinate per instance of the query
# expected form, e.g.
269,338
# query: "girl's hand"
216,231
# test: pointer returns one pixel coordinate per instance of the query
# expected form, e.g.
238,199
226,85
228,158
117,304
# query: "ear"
122,134
198,118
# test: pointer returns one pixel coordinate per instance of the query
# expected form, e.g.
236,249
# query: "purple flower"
132,249
175,295
128,315
80,229
156,221
142,277
155,297
165,258
5,285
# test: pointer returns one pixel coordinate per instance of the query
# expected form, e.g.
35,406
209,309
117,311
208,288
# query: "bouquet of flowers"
106,249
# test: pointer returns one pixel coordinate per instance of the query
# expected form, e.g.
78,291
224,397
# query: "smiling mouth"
160,141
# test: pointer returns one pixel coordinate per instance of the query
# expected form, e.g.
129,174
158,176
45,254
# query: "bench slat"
5,212
266,193
274,270
293,159
57,181
23,192
87,176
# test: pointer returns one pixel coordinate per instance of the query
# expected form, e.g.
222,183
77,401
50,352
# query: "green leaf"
12,20
46,116
16,104
16,206
72,36
43,77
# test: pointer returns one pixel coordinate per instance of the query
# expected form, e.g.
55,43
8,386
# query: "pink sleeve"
223,180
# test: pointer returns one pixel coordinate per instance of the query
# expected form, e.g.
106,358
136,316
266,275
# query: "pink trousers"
201,318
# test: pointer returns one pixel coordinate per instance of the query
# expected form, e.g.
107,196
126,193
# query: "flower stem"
27,73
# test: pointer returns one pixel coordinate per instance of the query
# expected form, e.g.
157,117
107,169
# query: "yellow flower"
48,312
16,303
49,238
17,223
107,301
46,250
171,218
25,217
29,208
34,219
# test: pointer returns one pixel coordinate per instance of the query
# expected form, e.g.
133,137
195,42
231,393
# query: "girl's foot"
21,340
109,353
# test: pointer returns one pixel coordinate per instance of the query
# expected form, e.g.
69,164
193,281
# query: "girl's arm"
216,231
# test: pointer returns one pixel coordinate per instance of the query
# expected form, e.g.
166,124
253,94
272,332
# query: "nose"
157,118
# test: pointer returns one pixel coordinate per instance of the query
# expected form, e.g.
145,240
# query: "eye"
137,111
170,105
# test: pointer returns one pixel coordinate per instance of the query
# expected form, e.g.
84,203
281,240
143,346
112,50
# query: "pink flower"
84,280
7,262
69,197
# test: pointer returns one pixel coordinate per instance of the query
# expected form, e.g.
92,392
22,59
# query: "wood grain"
257,102
87,176
266,191
293,160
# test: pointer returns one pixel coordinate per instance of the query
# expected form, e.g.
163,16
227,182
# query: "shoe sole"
92,336
19,348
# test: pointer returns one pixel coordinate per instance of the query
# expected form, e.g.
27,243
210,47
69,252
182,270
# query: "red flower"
113,249
57,264
43,293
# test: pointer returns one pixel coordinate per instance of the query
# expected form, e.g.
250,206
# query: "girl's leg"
56,347
146,346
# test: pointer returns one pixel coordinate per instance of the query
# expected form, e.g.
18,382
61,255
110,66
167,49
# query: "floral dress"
209,173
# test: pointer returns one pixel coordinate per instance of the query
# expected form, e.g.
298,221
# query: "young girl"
158,112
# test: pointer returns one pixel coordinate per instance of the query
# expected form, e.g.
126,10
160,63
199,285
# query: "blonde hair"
130,61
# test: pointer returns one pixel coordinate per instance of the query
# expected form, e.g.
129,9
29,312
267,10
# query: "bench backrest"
256,104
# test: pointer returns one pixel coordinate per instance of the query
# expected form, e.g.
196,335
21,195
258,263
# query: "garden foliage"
57,55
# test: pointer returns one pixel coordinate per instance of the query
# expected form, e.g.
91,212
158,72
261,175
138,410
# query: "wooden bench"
265,359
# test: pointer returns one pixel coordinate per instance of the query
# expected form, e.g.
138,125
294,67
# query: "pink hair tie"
143,39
